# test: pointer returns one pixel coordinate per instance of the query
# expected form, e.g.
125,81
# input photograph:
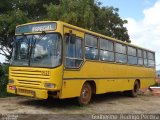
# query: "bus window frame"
101,49
145,58
115,52
97,48
133,55
140,57
61,62
151,59
65,56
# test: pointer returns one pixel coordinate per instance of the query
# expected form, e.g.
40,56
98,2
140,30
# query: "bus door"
73,60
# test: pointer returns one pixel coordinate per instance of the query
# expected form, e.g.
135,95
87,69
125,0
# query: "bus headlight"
49,85
11,81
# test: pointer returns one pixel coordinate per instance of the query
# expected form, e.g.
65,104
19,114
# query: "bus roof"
87,31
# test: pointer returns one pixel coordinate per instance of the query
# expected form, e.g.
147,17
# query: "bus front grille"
28,82
28,77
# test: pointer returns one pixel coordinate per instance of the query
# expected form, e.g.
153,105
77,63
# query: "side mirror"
73,38
70,38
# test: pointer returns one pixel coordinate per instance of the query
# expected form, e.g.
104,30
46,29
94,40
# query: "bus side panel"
113,85
110,77
147,82
71,88
56,77
104,70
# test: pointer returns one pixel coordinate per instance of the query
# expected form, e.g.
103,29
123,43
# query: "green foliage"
109,23
3,80
3,86
83,13
1,71
78,12
4,69
90,15
8,22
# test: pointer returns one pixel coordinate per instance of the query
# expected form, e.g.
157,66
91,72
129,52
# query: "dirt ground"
111,103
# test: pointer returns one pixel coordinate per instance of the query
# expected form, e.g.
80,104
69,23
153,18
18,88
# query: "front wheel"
85,95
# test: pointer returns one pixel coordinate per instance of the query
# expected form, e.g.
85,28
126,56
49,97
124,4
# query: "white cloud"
2,58
146,32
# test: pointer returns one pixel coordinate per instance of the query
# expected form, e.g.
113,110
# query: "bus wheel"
86,94
134,91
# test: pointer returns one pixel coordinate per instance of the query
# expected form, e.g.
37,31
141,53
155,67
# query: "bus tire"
85,95
134,91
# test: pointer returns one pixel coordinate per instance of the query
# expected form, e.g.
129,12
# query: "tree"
109,23
8,22
83,13
77,12
90,15
15,12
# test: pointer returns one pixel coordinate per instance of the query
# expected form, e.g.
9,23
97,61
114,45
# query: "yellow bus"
53,58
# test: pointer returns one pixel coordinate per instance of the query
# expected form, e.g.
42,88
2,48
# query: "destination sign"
35,28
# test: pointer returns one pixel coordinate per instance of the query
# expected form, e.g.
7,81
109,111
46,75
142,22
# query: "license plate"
26,91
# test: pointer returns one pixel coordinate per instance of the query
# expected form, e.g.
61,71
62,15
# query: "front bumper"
31,92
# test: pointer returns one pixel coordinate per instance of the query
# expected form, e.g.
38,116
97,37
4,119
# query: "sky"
143,22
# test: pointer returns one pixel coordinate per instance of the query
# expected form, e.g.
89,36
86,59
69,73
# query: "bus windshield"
40,50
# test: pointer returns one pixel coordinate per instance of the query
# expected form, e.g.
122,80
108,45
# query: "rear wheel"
85,95
134,91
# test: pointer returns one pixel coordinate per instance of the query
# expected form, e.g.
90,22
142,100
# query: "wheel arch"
92,84
138,80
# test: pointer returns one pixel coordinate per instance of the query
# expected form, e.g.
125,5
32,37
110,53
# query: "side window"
132,55
91,47
145,58
121,53
151,61
74,55
140,57
106,50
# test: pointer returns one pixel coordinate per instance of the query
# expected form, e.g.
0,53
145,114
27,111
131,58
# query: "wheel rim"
85,94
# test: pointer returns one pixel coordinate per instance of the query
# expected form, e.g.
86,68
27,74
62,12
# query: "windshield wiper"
28,41
34,40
